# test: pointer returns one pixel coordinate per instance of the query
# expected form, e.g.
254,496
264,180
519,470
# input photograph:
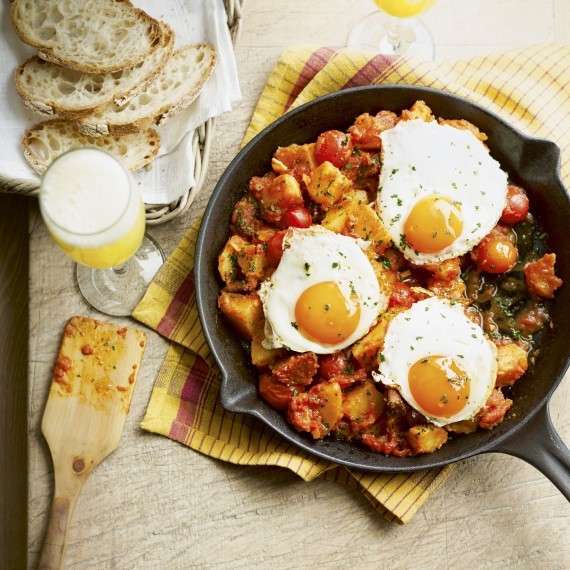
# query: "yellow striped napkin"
530,87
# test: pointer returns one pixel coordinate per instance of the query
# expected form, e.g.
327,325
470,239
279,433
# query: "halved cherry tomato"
275,393
275,247
402,296
496,253
333,364
298,217
517,205
334,146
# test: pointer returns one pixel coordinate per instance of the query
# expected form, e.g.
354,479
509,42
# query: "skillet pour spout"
527,431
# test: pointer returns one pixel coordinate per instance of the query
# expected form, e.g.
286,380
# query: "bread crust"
92,126
150,136
51,108
51,54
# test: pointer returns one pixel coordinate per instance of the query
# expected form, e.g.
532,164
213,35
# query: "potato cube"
363,222
228,261
367,349
244,312
327,185
261,356
295,159
329,397
363,405
252,260
512,363
426,438
419,110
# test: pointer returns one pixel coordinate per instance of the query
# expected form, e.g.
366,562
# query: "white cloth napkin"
173,172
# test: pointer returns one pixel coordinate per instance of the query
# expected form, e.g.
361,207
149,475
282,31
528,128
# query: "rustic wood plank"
155,504
13,380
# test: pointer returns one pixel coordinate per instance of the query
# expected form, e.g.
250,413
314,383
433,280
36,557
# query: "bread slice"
94,36
50,89
44,142
173,89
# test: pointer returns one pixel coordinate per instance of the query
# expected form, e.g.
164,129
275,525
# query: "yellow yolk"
433,224
439,386
323,314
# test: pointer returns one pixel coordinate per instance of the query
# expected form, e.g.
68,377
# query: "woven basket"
201,143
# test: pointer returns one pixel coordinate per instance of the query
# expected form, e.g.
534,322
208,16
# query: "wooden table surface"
156,504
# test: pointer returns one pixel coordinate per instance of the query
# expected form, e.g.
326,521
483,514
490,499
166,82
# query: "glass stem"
394,34
120,269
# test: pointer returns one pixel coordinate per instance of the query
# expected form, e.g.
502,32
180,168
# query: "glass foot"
376,29
117,291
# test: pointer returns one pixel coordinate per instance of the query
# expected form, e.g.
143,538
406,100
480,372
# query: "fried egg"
323,296
440,361
440,191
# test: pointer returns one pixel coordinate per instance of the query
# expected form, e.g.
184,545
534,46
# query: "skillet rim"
200,266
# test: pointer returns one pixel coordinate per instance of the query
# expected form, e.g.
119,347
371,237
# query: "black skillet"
527,432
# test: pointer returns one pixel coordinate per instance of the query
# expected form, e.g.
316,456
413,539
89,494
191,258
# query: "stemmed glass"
95,213
395,30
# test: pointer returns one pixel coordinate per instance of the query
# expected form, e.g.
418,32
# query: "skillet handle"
539,444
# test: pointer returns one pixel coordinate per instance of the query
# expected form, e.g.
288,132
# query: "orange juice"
404,8
92,209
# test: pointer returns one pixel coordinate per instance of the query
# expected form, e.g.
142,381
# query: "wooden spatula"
88,402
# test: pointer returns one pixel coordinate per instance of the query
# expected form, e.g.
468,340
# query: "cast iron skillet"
527,432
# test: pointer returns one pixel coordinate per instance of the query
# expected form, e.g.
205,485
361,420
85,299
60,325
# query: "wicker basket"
201,143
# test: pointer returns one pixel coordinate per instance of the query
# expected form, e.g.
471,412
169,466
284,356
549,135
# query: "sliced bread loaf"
44,142
94,36
173,89
50,89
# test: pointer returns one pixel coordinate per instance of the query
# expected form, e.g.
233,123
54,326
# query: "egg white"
436,327
310,256
424,158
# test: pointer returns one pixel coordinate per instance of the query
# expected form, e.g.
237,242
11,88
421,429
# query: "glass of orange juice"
395,30
95,213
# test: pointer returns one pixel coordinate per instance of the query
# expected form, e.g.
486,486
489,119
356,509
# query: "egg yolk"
323,314
433,224
439,385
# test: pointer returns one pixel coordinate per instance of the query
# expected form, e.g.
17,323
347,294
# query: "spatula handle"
54,543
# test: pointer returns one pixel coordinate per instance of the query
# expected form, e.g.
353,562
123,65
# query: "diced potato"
453,289
261,356
512,363
465,426
244,312
227,261
364,222
419,110
426,438
355,217
366,350
363,405
276,195
464,125
329,395
295,159
335,219
327,185
252,260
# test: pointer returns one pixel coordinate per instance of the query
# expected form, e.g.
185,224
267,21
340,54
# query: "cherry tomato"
402,296
496,253
298,217
334,146
275,393
275,247
333,364
517,205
